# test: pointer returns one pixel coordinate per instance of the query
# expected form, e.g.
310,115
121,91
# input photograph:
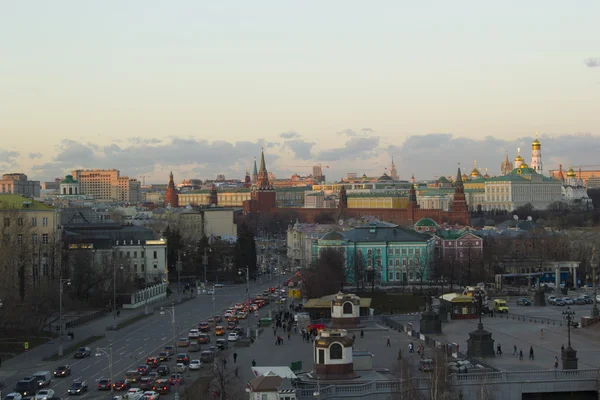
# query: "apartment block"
18,184
107,185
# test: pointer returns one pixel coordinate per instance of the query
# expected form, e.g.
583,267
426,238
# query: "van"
27,387
500,306
44,378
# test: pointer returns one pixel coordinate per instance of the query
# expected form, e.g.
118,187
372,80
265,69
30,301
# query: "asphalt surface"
134,343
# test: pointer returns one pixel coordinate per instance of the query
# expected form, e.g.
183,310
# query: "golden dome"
571,173
518,158
465,177
536,141
524,166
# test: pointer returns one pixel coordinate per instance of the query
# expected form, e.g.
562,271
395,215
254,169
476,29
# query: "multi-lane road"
134,343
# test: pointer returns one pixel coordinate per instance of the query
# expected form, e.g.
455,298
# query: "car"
207,356
233,337
180,367
210,320
163,370
210,291
551,299
242,315
132,375
26,387
183,342
203,338
13,396
146,383
182,358
238,306
164,356
219,331
218,318
426,365
579,301
82,352
559,302
176,379
123,384
193,334
153,362
170,350
586,298
151,395
153,375
239,330
222,344
228,313
62,370
104,384
143,370
78,387
219,285
568,301
523,302
135,394
162,386
44,394
195,364
203,327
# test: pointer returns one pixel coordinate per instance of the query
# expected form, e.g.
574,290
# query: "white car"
228,313
151,395
233,337
238,306
194,333
210,291
135,394
180,367
44,394
219,285
195,364
13,396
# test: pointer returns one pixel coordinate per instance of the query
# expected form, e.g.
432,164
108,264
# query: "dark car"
176,379
153,362
162,386
183,358
104,384
204,327
143,370
523,302
61,371
239,330
146,383
78,387
579,301
164,370
203,338
82,352
123,384
170,349
164,356
26,387
218,318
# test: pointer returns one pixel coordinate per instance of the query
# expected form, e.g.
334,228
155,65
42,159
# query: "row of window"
392,251
21,221
34,238
123,254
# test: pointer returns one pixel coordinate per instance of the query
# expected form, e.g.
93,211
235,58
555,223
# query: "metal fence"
526,318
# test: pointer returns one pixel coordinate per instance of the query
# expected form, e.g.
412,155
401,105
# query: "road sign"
26,345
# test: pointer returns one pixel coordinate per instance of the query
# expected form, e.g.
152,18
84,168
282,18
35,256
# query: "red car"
203,339
122,385
203,326
104,384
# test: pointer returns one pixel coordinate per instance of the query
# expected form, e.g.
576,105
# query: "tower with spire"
506,167
393,172
247,180
536,155
213,198
262,198
254,173
171,196
459,203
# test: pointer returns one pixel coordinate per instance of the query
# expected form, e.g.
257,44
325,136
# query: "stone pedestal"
480,343
431,322
569,358
443,311
539,298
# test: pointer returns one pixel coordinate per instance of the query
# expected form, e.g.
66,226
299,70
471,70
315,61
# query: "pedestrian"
514,349
499,350
541,333
555,362
399,354
419,349
531,356
235,358
562,349
521,354
353,338
388,344
295,329
362,334
118,313
253,362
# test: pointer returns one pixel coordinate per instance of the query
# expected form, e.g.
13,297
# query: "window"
417,252
44,221
391,276
142,268
264,396
34,238
19,239
135,254
321,356
134,267
20,221
398,276
34,221
44,238
378,252
45,269
155,255
369,252
6,221
397,262
336,351
347,308
410,251
397,251
390,263
142,254
128,254
155,266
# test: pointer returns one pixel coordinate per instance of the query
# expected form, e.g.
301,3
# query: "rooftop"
325,302
377,234
16,202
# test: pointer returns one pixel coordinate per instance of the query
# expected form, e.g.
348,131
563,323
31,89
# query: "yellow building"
285,197
107,185
377,200
31,236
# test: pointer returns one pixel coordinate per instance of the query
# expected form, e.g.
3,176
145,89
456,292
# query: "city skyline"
199,89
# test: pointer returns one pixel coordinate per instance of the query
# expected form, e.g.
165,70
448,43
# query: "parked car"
104,384
551,300
78,387
523,302
559,302
61,371
83,352
568,301
233,337
195,364
579,301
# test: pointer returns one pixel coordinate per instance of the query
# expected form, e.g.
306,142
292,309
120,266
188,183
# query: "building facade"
106,185
19,184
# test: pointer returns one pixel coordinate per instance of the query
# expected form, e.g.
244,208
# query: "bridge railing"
526,376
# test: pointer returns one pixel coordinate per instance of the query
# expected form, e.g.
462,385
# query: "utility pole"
205,262
179,267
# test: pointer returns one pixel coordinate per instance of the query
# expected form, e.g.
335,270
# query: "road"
134,343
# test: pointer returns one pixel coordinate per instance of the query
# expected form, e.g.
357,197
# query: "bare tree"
225,381
328,275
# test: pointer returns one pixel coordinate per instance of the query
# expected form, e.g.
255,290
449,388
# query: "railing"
526,376
527,318
85,319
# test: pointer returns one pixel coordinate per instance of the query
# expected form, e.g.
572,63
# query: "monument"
333,355
480,342
539,297
569,355
431,322
345,311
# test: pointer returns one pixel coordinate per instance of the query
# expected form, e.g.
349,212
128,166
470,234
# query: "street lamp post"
594,265
247,281
115,289
569,355
179,267
109,354
171,312
214,310
63,282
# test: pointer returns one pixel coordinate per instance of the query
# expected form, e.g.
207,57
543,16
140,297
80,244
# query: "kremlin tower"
393,172
536,155
171,196
263,198
459,203
247,180
254,173
506,167
213,198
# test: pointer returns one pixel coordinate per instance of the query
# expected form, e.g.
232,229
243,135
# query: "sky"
200,87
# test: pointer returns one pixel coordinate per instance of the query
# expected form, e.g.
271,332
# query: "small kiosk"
459,306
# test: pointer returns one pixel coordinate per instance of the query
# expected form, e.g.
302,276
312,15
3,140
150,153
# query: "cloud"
301,148
592,62
352,132
289,135
33,156
355,148
139,140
